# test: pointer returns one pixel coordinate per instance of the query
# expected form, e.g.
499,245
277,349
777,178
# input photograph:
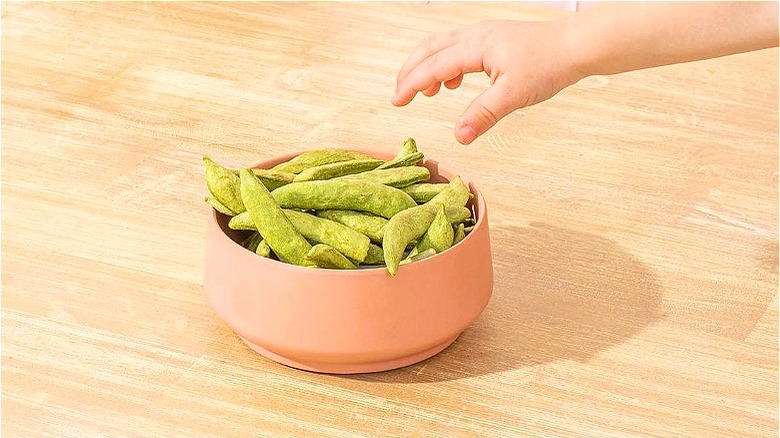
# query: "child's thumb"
484,112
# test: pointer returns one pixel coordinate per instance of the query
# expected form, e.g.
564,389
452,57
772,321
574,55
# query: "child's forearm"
618,37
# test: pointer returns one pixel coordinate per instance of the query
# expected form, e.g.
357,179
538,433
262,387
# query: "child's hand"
527,62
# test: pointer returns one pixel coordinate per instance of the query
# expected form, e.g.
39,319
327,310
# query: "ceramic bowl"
350,321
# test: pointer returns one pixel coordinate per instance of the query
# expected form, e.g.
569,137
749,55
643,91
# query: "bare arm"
529,62
619,37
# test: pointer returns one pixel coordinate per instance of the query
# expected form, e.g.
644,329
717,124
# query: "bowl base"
352,368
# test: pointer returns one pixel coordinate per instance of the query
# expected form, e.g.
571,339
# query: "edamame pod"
456,194
318,157
252,241
340,237
242,221
333,170
460,234
375,256
412,223
439,235
277,230
424,192
417,257
457,215
273,179
404,161
365,223
403,228
263,250
337,194
397,177
223,185
409,146
212,201
324,256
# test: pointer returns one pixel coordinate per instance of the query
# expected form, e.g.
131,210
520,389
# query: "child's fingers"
454,83
432,90
485,111
431,45
442,66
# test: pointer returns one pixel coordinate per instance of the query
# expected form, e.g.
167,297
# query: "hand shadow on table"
558,294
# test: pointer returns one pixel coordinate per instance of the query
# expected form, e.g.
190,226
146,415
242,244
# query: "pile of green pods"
341,209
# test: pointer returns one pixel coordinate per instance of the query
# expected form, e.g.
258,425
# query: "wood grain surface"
634,224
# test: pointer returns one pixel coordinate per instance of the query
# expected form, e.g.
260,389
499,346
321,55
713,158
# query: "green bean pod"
333,170
403,161
242,221
252,241
273,179
324,256
430,252
408,147
277,230
318,157
263,250
212,201
375,256
439,235
410,224
224,185
424,192
460,234
365,223
337,194
340,237
397,177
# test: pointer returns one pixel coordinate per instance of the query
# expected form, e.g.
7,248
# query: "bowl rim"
480,212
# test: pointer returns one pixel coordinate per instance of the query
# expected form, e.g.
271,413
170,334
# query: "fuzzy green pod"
375,256
408,147
439,235
252,241
402,229
403,161
371,225
457,215
277,230
242,221
318,157
337,194
273,179
212,201
263,250
397,177
334,170
224,185
424,192
460,233
340,237
325,256
456,194
430,252
410,224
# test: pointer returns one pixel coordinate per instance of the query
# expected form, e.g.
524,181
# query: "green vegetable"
333,194
333,170
223,185
324,256
277,230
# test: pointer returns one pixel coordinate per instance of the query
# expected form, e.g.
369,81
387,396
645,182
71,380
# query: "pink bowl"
345,322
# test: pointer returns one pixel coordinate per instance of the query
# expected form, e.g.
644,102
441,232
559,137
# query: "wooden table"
634,224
